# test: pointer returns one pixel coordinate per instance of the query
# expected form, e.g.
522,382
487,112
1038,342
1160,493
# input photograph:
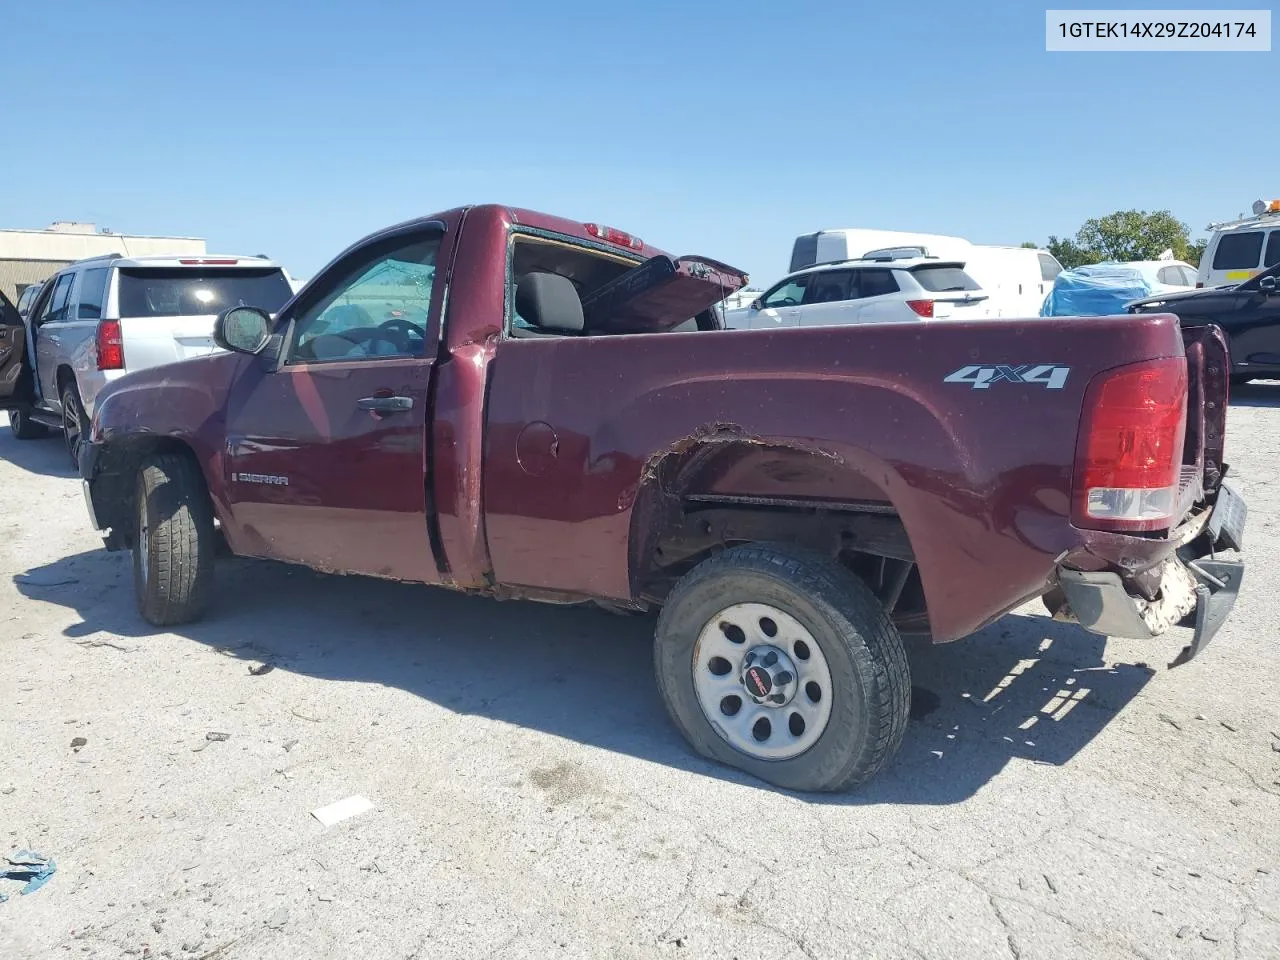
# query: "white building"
29,256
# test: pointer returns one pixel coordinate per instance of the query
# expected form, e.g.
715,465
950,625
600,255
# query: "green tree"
1068,253
1127,235
1134,235
1029,245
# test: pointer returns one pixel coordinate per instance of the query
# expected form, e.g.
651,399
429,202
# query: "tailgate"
1207,387
659,294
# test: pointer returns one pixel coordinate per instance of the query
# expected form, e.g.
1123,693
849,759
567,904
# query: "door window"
1238,251
830,286
789,293
1170,275
55,308
377,307
93,288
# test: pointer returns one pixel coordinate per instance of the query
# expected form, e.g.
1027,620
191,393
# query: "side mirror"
243,330
757,303
1268,285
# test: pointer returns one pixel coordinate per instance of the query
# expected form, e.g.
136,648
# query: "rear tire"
754,593
74,422
174,541
23,427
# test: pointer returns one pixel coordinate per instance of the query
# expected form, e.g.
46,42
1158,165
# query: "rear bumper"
1198,586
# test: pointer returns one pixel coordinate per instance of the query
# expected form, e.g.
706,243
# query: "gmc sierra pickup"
508,403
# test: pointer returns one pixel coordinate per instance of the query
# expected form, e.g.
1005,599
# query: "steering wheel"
407,332
784,302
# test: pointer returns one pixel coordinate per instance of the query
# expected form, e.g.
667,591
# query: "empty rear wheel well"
685,513
116,479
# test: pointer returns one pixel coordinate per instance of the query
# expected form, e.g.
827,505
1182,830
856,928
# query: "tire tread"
181,548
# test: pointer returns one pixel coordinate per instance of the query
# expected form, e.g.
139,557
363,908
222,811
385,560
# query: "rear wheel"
783,664
22,426
74,421
174,541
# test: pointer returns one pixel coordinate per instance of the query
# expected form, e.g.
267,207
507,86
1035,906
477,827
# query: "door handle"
385,404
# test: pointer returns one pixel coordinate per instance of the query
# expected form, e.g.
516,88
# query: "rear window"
195,291
943,279
1049,268
1238,251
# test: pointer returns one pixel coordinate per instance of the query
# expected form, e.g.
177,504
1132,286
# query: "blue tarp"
1098,290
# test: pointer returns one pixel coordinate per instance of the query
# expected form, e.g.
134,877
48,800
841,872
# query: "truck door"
326,444
15,388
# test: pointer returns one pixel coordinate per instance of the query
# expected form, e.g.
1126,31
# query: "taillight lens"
923,308
110,345
1129,455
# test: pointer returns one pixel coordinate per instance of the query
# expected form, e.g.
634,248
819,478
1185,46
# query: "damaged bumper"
1198,586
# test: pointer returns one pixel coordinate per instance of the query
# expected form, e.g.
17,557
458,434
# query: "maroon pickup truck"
508,403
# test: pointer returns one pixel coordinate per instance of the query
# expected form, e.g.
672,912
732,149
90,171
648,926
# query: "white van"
1238,250
1015,279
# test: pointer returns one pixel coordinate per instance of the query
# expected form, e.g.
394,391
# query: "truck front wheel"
783,664
174,537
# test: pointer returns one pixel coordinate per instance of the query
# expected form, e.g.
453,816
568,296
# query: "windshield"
186,291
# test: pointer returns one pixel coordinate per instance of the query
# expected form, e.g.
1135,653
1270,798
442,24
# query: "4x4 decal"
1051,376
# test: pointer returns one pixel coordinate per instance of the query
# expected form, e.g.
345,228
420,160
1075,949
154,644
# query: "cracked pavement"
1056,796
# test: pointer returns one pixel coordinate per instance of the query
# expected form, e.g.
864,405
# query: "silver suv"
885,286
98,319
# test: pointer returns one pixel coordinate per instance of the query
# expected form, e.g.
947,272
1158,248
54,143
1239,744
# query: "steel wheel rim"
722,657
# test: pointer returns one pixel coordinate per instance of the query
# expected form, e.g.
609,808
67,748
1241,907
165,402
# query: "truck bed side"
979,467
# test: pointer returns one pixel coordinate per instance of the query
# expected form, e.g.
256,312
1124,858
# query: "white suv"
882,287
98,319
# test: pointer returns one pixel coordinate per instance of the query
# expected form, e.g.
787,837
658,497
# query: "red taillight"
1129,455
923,308
110,345
610,235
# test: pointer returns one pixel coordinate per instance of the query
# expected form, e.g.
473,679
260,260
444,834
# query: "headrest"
549,301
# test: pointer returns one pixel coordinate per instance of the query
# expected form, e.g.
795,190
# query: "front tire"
174,541
783,664
22,426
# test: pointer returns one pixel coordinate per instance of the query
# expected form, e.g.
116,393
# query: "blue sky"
719,128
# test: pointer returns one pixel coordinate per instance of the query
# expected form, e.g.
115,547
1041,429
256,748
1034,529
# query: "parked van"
1015,279
1238,250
